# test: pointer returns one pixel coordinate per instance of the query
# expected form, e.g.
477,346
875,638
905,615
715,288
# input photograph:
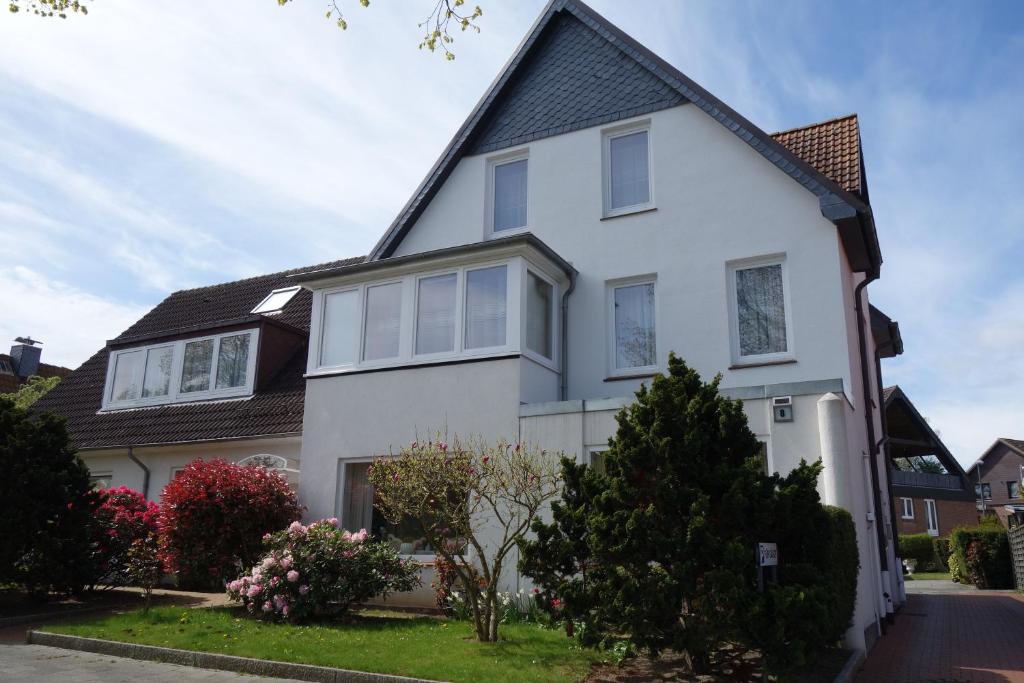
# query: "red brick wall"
952,513
1001,464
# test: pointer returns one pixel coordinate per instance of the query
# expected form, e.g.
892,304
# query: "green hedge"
842,565
921,547
982,556
943,548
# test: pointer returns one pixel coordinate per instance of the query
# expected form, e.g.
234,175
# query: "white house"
597,210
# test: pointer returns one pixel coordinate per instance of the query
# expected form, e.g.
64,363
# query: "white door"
932,515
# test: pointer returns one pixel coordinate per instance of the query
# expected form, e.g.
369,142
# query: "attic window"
276,300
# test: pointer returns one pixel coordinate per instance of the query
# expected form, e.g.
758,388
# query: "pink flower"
303,590
296,528
254,590
286,562
285,610
333,521
293,576
442,445
267,607
279,602
275,581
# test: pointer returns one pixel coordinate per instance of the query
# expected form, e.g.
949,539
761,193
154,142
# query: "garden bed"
375,641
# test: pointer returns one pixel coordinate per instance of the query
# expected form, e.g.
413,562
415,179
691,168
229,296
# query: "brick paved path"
968,637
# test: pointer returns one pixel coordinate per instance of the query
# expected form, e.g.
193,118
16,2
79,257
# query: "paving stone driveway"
949,635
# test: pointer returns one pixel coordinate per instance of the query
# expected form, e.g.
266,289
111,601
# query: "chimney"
25,356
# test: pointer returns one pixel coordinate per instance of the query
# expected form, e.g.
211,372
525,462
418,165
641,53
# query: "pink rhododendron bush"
124,517
321,569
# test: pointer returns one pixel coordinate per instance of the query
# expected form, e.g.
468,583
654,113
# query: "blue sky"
145,149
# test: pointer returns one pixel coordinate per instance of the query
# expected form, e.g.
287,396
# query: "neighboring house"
927,501
597,210
997,478
209,372
23,362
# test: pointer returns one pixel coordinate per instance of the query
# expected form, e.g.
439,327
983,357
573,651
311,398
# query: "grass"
928,576
380,642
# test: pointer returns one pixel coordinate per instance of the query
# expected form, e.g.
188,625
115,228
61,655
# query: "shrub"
48,505
983,556
143,565
920,547
214,516
318,569
123,517
942,553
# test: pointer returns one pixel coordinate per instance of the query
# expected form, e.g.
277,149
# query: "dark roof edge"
897,392
829,193
200,327
999,440
891,328
525,238
248,437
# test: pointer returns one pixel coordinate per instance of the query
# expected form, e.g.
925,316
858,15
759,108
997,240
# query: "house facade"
597,211
213,372
932,493
997,478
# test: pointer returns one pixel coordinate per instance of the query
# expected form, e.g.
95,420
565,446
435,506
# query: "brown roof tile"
832,148
10,382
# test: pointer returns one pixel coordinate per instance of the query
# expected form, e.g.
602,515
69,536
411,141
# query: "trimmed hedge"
943,549
982,556
921,547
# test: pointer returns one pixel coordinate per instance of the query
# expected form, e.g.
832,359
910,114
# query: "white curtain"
485,307
383,321
634,326
761,310
538,315
435,314
510,195
340,337
629,174
358,509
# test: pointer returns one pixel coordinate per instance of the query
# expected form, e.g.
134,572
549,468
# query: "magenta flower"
267,606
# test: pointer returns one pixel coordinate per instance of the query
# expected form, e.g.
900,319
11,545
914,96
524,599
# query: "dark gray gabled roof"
564,110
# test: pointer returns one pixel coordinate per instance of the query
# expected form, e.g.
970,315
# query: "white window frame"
931,516
492,163
905,505
174,394
94,477
274,311
460,285
553,362
339,502
610,341
316,360
402,322
732,267
609,134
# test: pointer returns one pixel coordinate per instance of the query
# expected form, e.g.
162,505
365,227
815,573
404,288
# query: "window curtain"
630,181
761,310
233,361
383,321
127,376
538,315
510,195
435,314
634,326
358,510
485,307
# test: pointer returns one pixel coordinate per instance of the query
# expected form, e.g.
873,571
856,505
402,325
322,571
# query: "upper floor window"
383,325
216,366
760,324
627,170
1013,489
632,336
436,301
486,307
276,300
509,194
981,490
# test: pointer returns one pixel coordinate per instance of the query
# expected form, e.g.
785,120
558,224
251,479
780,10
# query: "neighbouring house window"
634,329
932,517
358,512
510,195
486,303
760,310
232,361
435,314
339,341
983,488
128,371
1013,489
628,169
539,311
908,507
195,373
383,321
276,300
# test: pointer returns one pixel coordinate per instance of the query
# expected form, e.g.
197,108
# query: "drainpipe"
563,375
145,472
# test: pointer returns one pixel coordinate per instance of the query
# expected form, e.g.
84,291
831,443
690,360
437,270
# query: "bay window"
218,366
383,321
486,307
339,340
435,314
539,315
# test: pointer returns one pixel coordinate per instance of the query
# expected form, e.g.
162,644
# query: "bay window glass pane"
761,310
233,361
485,307
435,314
383,321
196,365
359,512
510,195
339,339
634,326
630,179
539,295
128,369
158,372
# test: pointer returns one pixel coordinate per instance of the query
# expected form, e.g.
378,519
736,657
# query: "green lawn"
929,576
379,642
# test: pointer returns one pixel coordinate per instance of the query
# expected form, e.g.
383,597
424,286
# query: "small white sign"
767,555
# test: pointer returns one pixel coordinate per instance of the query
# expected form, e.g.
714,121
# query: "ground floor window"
908,507
358,512
932,515
100,480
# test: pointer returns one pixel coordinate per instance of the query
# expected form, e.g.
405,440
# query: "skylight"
276,300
